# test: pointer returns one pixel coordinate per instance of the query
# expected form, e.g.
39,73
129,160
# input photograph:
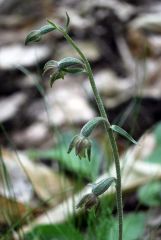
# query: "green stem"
108,129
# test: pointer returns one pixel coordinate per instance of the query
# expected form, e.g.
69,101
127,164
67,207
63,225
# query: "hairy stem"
108,130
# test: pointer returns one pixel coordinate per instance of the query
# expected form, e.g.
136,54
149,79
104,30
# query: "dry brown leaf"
135,173
11,210
27,178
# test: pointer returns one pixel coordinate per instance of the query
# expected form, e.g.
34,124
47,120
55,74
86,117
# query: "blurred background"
122,41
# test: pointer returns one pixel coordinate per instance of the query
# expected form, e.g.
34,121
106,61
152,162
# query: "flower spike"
82,146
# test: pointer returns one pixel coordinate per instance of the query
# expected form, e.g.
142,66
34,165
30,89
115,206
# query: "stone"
32,136
12,56
9,106
90,50
111,88
65,102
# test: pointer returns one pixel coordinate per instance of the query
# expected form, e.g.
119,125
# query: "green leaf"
134,225
62,231
150,194
122,132
47,28
34,36
68,62
106,227
91,125
154,157
155,154
67,21
157,132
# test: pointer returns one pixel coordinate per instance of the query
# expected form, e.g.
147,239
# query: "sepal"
102,186
34,36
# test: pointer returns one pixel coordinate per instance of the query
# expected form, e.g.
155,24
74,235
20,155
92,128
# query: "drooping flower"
82,146
92,199
60,68
88,201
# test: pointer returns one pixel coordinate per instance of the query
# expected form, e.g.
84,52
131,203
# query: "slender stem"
108,129
91,78
118,185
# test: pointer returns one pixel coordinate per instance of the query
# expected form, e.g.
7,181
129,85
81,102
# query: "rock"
151,79
143,34
142,45
145,3
9,37
66,103
126,56
155,44
138,44
111,87
9,106
1,1
12,22
89,48
28,81
122,9
27,177
31,10
20,179
19,186
116,90
13,55
150,22
32,136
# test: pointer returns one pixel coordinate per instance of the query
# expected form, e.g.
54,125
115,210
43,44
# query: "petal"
50,65
89,152
72,144
78,147
83,200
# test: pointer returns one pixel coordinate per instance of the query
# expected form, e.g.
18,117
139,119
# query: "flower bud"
56,73
51,65
61,68
102,186
81,142
91,125
69,61
47,28
34,36
88,201
55,76
82,146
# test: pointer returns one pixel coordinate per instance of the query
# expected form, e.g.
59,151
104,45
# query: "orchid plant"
81,142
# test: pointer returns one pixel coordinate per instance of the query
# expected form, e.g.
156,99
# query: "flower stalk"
109,132
81,142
